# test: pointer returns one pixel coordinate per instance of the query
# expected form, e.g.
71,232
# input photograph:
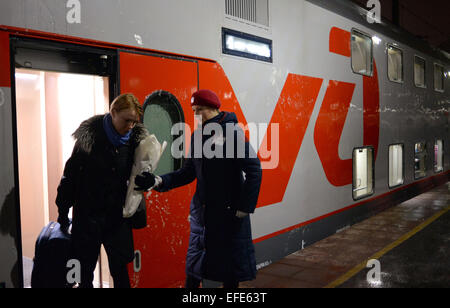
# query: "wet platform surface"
411,241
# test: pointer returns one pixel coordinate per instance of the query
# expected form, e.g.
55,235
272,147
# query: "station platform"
410,241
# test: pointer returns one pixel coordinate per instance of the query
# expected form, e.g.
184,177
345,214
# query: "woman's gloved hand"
144,181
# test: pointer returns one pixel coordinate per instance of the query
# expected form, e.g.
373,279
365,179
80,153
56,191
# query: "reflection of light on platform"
375,283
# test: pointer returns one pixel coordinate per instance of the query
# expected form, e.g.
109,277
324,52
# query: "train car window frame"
402,79
440,168
418,155
164,99
441,88
402,165
361,35
228,33
370,178
418,85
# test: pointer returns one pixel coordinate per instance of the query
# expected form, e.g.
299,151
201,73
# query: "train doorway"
57,86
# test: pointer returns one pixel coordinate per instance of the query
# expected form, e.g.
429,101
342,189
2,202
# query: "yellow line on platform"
389,247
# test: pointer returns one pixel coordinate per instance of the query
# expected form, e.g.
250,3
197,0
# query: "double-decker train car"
348,117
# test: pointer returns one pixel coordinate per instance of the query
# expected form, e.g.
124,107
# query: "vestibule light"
243,45
246,45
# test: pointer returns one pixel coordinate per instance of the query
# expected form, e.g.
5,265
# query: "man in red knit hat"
205,104
220,242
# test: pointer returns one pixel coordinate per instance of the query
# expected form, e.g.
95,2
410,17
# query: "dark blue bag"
52,251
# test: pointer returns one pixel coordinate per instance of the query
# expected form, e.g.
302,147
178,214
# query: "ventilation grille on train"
255,11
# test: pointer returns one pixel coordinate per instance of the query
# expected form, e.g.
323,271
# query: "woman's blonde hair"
127,101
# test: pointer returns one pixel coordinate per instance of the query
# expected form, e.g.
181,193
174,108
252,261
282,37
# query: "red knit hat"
205,98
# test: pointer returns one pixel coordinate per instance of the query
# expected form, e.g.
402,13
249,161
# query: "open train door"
164,84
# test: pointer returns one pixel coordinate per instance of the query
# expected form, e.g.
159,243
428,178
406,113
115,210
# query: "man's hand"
144,181
158,181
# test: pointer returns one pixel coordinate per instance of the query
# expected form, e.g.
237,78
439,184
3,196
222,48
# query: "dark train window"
246,45
362,53
363,173
161,111
396,163
438,77
419,72
438,156
420,160
395,64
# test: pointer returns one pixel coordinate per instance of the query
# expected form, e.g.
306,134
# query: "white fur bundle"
146,158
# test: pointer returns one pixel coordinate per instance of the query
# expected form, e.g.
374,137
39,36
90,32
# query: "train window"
419,72
438,77
420,158
396,175
246,45
362,57
161,111
395,64
438,156
363,172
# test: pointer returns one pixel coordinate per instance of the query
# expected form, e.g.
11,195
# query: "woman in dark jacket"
95,184
220,243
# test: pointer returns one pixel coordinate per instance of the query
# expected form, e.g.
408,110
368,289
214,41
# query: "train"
348,117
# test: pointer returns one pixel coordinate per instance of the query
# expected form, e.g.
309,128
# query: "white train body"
303,198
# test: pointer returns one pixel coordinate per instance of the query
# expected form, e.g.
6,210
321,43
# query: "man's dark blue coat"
220,244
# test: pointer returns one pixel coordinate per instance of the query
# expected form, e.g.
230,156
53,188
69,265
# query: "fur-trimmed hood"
91,131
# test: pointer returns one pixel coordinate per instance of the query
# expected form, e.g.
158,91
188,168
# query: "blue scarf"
113,136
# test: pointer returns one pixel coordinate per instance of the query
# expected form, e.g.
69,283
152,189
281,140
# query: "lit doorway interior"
50,106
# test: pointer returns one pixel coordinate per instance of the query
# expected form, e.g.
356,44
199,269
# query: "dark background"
426,19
